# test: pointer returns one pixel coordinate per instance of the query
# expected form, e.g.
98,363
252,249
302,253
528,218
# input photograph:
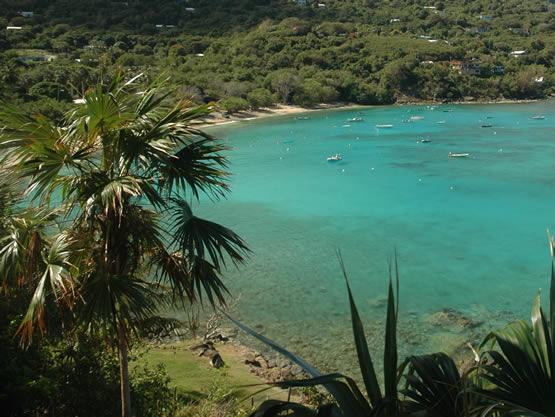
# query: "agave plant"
349,400
523,371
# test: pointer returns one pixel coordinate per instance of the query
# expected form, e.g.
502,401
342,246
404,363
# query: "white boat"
440,122
424,141
335,158
384,126
537,117
355,119
417,117
457,155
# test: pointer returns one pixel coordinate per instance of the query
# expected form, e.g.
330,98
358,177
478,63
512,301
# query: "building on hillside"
190,9
521,31
477,29
394,20
13,28
471,67
24,58
518,53
485,17
300,2
27,14
499,69
321,5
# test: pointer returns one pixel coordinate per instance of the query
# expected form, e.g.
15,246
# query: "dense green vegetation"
254,52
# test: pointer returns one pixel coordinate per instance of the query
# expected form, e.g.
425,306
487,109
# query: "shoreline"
217,118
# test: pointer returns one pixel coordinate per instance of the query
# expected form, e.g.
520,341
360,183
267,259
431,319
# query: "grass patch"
194,377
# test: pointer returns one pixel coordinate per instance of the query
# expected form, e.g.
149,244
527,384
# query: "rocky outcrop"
207,349
270,369
449,317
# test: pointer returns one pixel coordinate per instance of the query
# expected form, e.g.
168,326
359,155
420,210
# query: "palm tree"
118,238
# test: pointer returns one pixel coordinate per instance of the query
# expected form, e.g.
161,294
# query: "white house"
13,28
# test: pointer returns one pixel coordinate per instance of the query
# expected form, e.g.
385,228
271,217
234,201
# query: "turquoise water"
470,233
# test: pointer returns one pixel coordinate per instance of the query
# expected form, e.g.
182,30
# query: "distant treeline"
254,53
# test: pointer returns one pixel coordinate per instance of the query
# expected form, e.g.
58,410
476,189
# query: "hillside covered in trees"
253,53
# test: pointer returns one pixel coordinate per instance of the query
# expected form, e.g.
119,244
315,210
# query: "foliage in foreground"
517,380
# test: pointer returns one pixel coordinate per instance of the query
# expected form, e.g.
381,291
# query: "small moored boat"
334,158
384,126
355,119
457,155
424,141
537,117
487,125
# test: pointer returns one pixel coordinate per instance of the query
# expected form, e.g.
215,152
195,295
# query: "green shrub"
234,104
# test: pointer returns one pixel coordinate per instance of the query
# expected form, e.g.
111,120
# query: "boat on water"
302,118
408,121
416,117
424,141
384,126
487,125
440,122
355,119
335,158
457,155
537,117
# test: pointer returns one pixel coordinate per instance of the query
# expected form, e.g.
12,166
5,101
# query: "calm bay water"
470,233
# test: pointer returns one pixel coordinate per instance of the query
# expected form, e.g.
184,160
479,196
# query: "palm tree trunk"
124,375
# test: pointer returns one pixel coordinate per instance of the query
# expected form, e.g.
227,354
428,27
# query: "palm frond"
109,300
198,166
58,278
204,239
437,386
